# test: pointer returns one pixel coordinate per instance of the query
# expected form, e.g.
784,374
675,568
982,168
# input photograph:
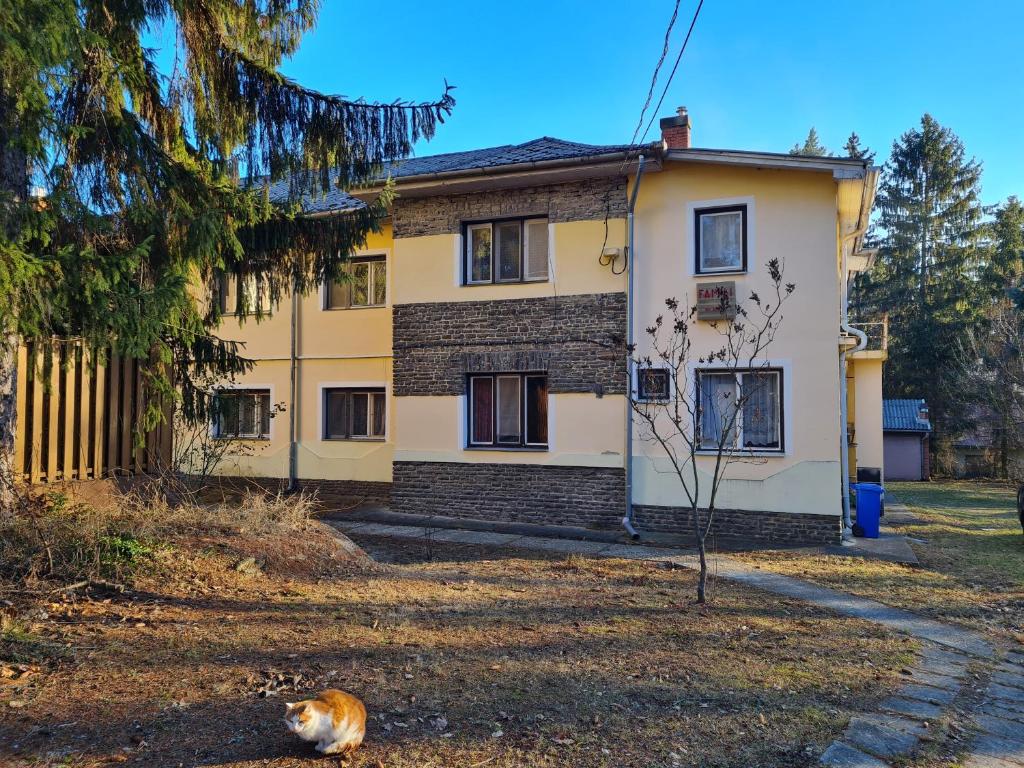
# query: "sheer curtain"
760,410
721,240
717,402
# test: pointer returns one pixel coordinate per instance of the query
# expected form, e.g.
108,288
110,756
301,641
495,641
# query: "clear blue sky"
756,74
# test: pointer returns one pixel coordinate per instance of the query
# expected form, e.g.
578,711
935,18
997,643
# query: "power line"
672,74
657,70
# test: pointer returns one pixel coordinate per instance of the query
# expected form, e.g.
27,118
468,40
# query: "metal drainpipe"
293,446
627,520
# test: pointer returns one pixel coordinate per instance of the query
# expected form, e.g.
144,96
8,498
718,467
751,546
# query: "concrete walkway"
951,662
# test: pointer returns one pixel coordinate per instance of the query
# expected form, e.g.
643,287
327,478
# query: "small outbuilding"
905,430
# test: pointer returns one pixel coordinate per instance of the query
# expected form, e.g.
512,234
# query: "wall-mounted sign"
716,301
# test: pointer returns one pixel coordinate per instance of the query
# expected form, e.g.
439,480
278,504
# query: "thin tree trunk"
8,421
702,579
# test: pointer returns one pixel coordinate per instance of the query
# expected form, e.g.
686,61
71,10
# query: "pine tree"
812,146
139,171
1005,268
929,236
854,149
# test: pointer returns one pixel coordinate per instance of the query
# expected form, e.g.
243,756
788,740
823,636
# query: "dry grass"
968,540
474,658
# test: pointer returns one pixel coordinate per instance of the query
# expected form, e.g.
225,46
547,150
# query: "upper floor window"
744,408
720,243
354,414
506,251
242,413
508,411
367,285
231,288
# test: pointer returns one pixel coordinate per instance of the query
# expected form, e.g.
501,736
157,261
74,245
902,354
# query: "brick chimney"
675,131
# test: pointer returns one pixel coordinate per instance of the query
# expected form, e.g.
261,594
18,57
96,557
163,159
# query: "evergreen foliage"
812,146
141,202
853,148
929,229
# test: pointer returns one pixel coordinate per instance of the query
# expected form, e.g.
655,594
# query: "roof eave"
840,167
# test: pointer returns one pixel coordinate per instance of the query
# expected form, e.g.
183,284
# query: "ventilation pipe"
627,520
293,387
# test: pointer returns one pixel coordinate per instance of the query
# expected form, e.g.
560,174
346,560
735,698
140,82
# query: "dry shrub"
52,538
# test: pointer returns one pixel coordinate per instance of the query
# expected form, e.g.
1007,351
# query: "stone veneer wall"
577,339
742,526
586,200
546,494
331,494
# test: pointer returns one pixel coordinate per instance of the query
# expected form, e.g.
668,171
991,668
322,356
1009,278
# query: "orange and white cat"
335,720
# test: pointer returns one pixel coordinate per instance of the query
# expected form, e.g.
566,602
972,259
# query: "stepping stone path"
941,683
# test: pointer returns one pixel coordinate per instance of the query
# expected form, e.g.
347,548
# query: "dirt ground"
464,656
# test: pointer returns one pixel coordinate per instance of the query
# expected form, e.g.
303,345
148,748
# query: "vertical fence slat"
53,403
125,436
113,412
22,409
36,447
70,408
83,397
139,449
99,425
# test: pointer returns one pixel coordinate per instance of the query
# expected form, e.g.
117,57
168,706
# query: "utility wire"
657,70
672,74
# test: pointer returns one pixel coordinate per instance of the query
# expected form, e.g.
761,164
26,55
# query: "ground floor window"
242,413
355,413
508,410
743,406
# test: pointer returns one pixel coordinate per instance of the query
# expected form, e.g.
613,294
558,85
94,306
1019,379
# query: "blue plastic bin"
869,507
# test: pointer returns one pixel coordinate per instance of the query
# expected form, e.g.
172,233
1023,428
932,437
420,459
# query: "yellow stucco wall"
867,416
792,217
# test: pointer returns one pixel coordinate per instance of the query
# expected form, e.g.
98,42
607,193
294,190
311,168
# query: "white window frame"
322,388
781,416
240,285
465,244
690,236
269,437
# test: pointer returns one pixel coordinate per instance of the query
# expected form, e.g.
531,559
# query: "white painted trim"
689,235
459,258
321,413
363,253
246,385
281,358
468,228
783,364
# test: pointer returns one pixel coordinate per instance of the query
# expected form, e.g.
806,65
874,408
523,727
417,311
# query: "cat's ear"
288,707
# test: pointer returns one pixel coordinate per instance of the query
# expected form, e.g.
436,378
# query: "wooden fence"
77,417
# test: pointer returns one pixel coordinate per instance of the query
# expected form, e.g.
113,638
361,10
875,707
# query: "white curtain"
761,410
721,240
717,406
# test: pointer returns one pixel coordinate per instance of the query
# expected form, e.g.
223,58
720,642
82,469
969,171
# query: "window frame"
492,225
776,370
257,391
524,443
363,258
640,396
349,390
240,282
711,210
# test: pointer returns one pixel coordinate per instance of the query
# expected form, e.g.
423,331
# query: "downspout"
293,444
862,343
627,520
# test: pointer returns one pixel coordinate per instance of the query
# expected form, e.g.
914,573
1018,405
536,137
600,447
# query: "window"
243,413
354,414
756,424
507,251
653,384
721,239
367,285
508,410
230,289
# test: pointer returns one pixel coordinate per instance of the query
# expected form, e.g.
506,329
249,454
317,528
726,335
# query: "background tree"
675,423
1004,270
139,172
928,231
811,146
853,148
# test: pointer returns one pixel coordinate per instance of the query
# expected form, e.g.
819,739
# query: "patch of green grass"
19,645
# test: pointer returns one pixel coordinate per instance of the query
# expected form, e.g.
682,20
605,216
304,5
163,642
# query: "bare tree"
711,407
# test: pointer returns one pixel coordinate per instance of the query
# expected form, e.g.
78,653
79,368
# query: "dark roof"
538,150
904,416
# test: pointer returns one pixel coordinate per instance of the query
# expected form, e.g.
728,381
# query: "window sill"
493,283
723,272
509,448
361,306
747,453
243,438
354,439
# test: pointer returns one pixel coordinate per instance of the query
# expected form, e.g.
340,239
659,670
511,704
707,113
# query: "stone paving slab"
997,726
560,545
988,761
1006,693
922,710
481,538
1010,750
842,755
924,676
1011,678
881,741
928,694
991,708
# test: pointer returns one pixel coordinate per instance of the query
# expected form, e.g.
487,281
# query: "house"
474,366
906,428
